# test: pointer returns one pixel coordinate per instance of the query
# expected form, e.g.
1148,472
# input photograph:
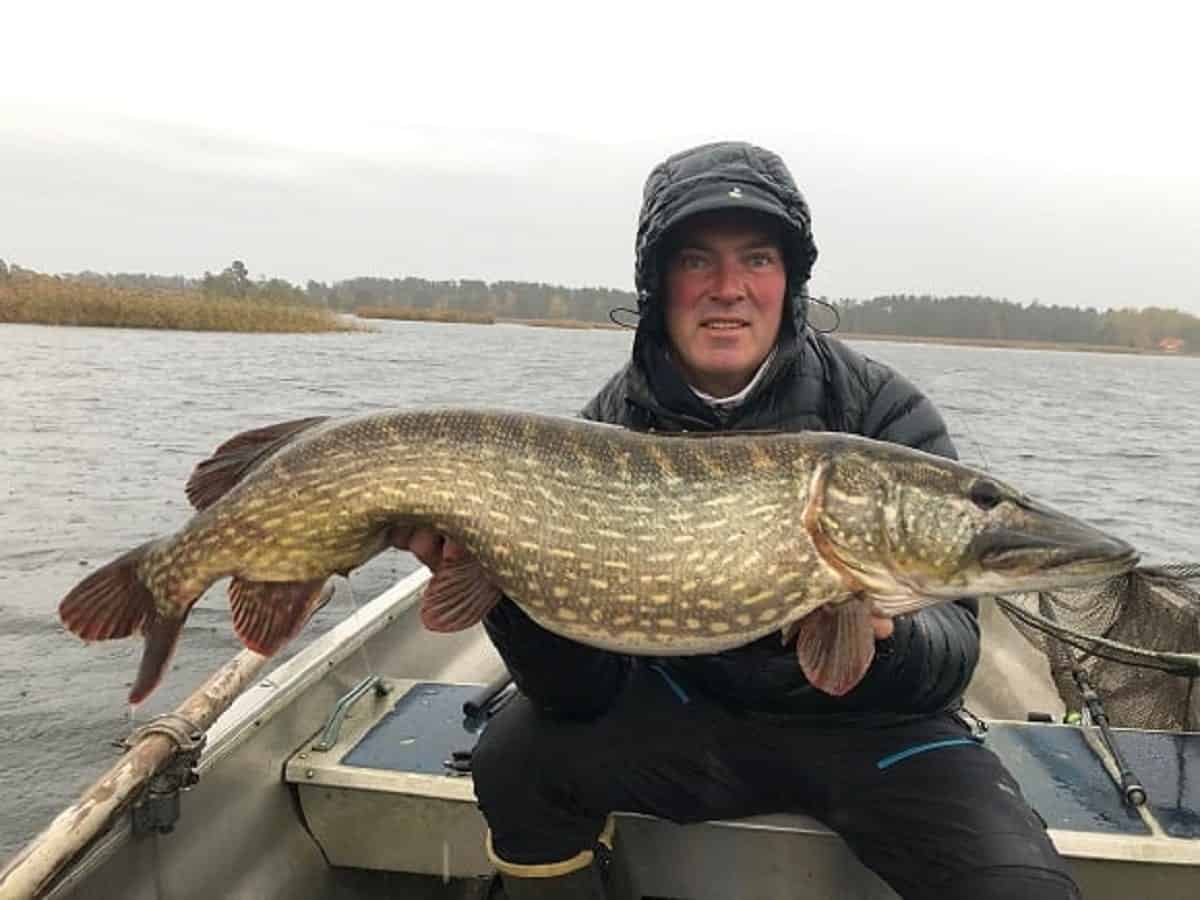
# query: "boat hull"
339,826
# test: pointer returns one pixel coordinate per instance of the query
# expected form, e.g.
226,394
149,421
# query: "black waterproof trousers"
924,804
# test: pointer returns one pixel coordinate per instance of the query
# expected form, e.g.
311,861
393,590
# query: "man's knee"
507,757
522,769
1008,882
525,763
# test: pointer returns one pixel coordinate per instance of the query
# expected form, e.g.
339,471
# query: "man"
724,253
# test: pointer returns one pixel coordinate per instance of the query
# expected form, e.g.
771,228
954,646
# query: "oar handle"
31,872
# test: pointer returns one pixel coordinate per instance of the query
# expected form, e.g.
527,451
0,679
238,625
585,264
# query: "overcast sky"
1044,151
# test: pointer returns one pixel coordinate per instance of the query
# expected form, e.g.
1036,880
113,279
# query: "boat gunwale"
279,687
272,693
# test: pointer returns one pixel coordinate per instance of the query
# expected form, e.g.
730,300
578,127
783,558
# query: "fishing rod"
1130,785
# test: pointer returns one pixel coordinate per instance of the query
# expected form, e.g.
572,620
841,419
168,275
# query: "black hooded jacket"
813,382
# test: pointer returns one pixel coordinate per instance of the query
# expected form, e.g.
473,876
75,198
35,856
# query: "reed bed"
409,313
51,300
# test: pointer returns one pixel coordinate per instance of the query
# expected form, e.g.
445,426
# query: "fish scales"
620,597
635,542
355,479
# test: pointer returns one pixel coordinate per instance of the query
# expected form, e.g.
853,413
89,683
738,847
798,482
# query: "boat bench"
387,794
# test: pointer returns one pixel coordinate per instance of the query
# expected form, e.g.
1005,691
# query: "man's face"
725,286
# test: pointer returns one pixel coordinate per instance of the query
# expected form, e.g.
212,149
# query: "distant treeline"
985,318
972,318
233,282
499,299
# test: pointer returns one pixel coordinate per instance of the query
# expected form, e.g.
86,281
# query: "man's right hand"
428,545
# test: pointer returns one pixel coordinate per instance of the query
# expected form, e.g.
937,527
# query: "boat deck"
393,794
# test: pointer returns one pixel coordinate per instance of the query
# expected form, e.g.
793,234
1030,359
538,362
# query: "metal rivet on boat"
310,773
304,756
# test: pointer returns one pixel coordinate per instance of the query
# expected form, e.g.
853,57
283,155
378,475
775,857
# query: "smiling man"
725,290
724,254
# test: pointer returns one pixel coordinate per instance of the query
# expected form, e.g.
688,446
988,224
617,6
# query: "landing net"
1136,636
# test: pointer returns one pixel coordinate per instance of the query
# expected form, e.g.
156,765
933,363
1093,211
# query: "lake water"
102,427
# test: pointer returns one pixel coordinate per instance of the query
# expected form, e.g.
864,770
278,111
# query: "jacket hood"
722,175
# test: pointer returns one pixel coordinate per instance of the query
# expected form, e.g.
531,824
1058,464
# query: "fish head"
909,529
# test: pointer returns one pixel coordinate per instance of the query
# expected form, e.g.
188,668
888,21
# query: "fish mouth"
1052,547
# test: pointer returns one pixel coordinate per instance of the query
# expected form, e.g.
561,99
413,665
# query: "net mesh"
1136,636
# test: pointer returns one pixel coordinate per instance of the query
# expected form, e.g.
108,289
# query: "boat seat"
386,794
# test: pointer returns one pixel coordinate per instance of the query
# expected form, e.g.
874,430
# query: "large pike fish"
641,543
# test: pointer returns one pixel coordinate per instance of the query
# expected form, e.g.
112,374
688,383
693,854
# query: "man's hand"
883,627
431,547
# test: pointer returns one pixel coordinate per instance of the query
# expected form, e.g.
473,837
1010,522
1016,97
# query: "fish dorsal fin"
230,462
835,645
458,597
268,614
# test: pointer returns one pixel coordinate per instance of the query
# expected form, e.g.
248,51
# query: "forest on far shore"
966,317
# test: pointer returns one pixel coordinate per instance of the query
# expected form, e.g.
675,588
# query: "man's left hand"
883,627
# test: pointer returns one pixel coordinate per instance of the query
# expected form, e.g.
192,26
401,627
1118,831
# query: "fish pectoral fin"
458,597
230,462
268,614
835,645
899,606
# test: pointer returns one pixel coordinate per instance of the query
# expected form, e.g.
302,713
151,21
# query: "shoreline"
1005,344
186,313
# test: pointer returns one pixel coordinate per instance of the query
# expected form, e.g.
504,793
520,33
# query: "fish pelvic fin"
268,614
113,602
835,645
231,461
459,596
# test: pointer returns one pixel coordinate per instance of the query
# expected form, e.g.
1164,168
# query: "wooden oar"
28,874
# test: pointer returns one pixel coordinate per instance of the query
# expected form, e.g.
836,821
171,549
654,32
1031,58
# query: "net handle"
1187,664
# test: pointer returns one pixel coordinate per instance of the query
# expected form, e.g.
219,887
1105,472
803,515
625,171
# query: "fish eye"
986,494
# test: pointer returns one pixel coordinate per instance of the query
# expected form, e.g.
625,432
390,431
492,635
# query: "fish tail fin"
835,646
113,602
110,603
268,614
162,634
